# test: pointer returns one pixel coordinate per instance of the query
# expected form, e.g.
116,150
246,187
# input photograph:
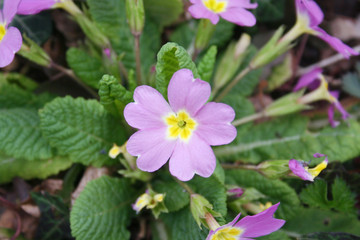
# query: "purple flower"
248,227
301,169
27,7
236,192
345,115
182,131
231,10
10,37
309,17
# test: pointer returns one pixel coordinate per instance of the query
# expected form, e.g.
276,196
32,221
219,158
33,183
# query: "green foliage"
206,64
351,82
330,236
102,211
316,195
54,220
270,10
86,67
280,73
184,34
222,34
287,138
275,190
17,79
11,167
171,58
81,128
163,12
275,236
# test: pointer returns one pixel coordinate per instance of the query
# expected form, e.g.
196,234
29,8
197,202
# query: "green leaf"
222,34
20,135
287,138
270,10
54,219
206,64
181,225
163,12
330,236
171,58
275,236
275,190
351,84
184,34
280,73
81,128
86,67
18,79
12,167
315,195
113,96
103,211
343,199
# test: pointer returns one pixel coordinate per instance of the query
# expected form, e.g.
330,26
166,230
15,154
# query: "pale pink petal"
148,110
310,9
239,16
215,123
260,224
307,79
193,157
151,147
27,7
298,169
10,9
198,10
9,45
185,92
242,4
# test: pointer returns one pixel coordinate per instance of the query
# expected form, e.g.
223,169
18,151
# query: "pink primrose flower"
249,227
182,131
27,7
231,10
10,37
309,16
301,169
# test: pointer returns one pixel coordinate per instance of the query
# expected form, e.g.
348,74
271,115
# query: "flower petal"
308,78
198,10
148,110
151,147
9,45
27,7
331,113
242,4
239,16
9,10
195,156
185,92
215,123
311,10
260,224
298,169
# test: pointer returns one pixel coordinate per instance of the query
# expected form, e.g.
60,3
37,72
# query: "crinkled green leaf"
330,236
275,190
103,211
20,135
163,12
12,167
81,128
206,64
171,58
343,198
315,195
86,67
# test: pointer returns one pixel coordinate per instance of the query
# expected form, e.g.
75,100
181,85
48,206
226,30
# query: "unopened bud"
200,207
242,45
135,15
274,168
32,51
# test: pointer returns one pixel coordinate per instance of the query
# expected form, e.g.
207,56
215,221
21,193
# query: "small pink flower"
27,7
301,169
310,16
231,10
248,227
182,131
10,37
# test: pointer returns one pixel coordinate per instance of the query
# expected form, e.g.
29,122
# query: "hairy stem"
137,58
247,119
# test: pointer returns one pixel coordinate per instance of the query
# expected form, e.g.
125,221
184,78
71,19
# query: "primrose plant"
179,150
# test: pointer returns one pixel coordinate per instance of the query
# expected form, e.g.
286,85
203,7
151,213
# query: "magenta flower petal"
243,4
150,148
239,16
310,9
331,113
214,123
9,10
307,79
185,92
9,45
198,10
148,109
339,107
299,170
27,7
196,156
260,224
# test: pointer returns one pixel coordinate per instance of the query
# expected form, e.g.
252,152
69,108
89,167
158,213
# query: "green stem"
137,58
247,119
236,166
185,186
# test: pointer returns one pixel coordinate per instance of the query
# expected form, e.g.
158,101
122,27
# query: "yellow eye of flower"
215,6
180,125
2,32
317,170
228,233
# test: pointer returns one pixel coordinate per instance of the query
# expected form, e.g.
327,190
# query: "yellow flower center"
317,170
228,233
215,6
2,32
180,125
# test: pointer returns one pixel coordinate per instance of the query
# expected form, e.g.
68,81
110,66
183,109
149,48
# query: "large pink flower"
231,10
35,6
182,131
10,37
249,227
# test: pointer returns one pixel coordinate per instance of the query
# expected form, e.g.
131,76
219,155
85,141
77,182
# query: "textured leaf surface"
330,236
102,211
275,190
171,58
287,138
81,128
206,64
12,167
20,134
86,67
163,12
